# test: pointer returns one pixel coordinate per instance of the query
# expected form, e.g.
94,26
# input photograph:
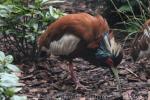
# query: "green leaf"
30,37
15,89
44,1
13,68
4,13
9,80
51,10
2,97
132,29
16,97
9,59
35,26
9,92
125,8
1,90
7,8
2,23
2,56
50,2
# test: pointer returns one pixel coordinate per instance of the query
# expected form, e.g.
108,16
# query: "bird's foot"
80,86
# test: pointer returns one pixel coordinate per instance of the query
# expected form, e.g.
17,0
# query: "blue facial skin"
102,53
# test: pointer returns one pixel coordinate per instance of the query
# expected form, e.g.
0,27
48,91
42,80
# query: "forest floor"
49,79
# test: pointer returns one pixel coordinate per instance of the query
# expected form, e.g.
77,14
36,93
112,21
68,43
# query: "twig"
95,69
38,84
26,77
132,72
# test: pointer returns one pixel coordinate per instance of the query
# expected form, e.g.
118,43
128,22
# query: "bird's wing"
65,45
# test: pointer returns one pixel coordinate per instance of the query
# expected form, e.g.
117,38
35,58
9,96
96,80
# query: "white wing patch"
65,45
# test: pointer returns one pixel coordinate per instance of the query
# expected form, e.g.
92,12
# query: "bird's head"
109,52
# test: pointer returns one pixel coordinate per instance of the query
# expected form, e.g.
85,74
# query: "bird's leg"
74,77
115,72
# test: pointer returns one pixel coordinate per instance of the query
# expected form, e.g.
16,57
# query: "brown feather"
83,25
82,35
141,42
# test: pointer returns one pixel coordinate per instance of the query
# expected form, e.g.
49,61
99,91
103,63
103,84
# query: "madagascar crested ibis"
81,34
141,44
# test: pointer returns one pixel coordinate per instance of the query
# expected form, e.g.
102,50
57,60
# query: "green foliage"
5,63
21,23
9,82
133,14
125,8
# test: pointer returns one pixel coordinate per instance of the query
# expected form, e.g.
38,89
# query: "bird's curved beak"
115,72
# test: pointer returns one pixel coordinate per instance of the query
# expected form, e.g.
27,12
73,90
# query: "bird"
82,35
140,47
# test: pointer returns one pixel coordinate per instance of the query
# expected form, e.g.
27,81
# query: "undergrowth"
132,15
21,22
9,81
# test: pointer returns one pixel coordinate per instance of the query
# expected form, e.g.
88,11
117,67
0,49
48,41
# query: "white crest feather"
115,47
112,46
107,43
